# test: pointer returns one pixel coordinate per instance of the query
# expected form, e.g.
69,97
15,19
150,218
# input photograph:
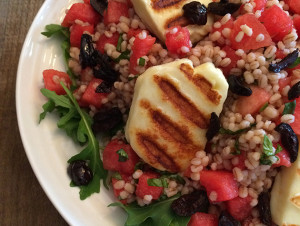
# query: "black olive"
289,140
214,126
106,120
187,205
80,173
104,87
294,92
225,219
99,5
222,8
285,62
236,86
87,52
264,208
104,69
195,12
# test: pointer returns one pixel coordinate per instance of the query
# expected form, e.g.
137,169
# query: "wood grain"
22,200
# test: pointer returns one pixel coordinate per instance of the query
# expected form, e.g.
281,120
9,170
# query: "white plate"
48,148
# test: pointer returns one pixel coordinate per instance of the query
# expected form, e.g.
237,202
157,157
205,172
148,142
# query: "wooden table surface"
22,200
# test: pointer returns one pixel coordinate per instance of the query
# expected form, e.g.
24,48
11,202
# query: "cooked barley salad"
118,51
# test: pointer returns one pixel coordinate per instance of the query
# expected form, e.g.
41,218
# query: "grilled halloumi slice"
159,15
285,196
170,112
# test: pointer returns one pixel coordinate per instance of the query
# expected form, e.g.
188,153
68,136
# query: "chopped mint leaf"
264,107
158,182
123,156
117,176
142,61
230,132
120,40
289,108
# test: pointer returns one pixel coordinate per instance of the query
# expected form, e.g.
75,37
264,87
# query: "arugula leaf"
56,29
264,107
278,149
230,132
63,33
156,214
158,182
123,156
289,108
295,64
77,124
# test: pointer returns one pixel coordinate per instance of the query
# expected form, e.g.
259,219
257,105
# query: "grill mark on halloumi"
181,103
202,83
155,153
178,20
164,4
178,133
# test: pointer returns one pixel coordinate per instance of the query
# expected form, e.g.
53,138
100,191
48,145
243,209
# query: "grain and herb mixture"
255,44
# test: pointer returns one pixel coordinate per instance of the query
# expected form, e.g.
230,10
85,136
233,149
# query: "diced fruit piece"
252,104
118,191
203,219
249,42
296,22
224,29
52,79
178,40
277,22
87,1
294,6
91,97
284,158
230,53
134,32
239,208
279,54
143,188
140,48
296,124
103,40
220,182
115,10
259,5
241,162
111,157
83,12
283,82
76,33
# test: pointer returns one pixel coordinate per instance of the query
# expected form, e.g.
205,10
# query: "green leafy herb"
120,40
268,156
237,147
56,29
156,214
230,132
158,182
77,124
267,146
289,108
123,56
63,33
295,64
142,61
264,107
134,77
123,156
139,166
117,176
